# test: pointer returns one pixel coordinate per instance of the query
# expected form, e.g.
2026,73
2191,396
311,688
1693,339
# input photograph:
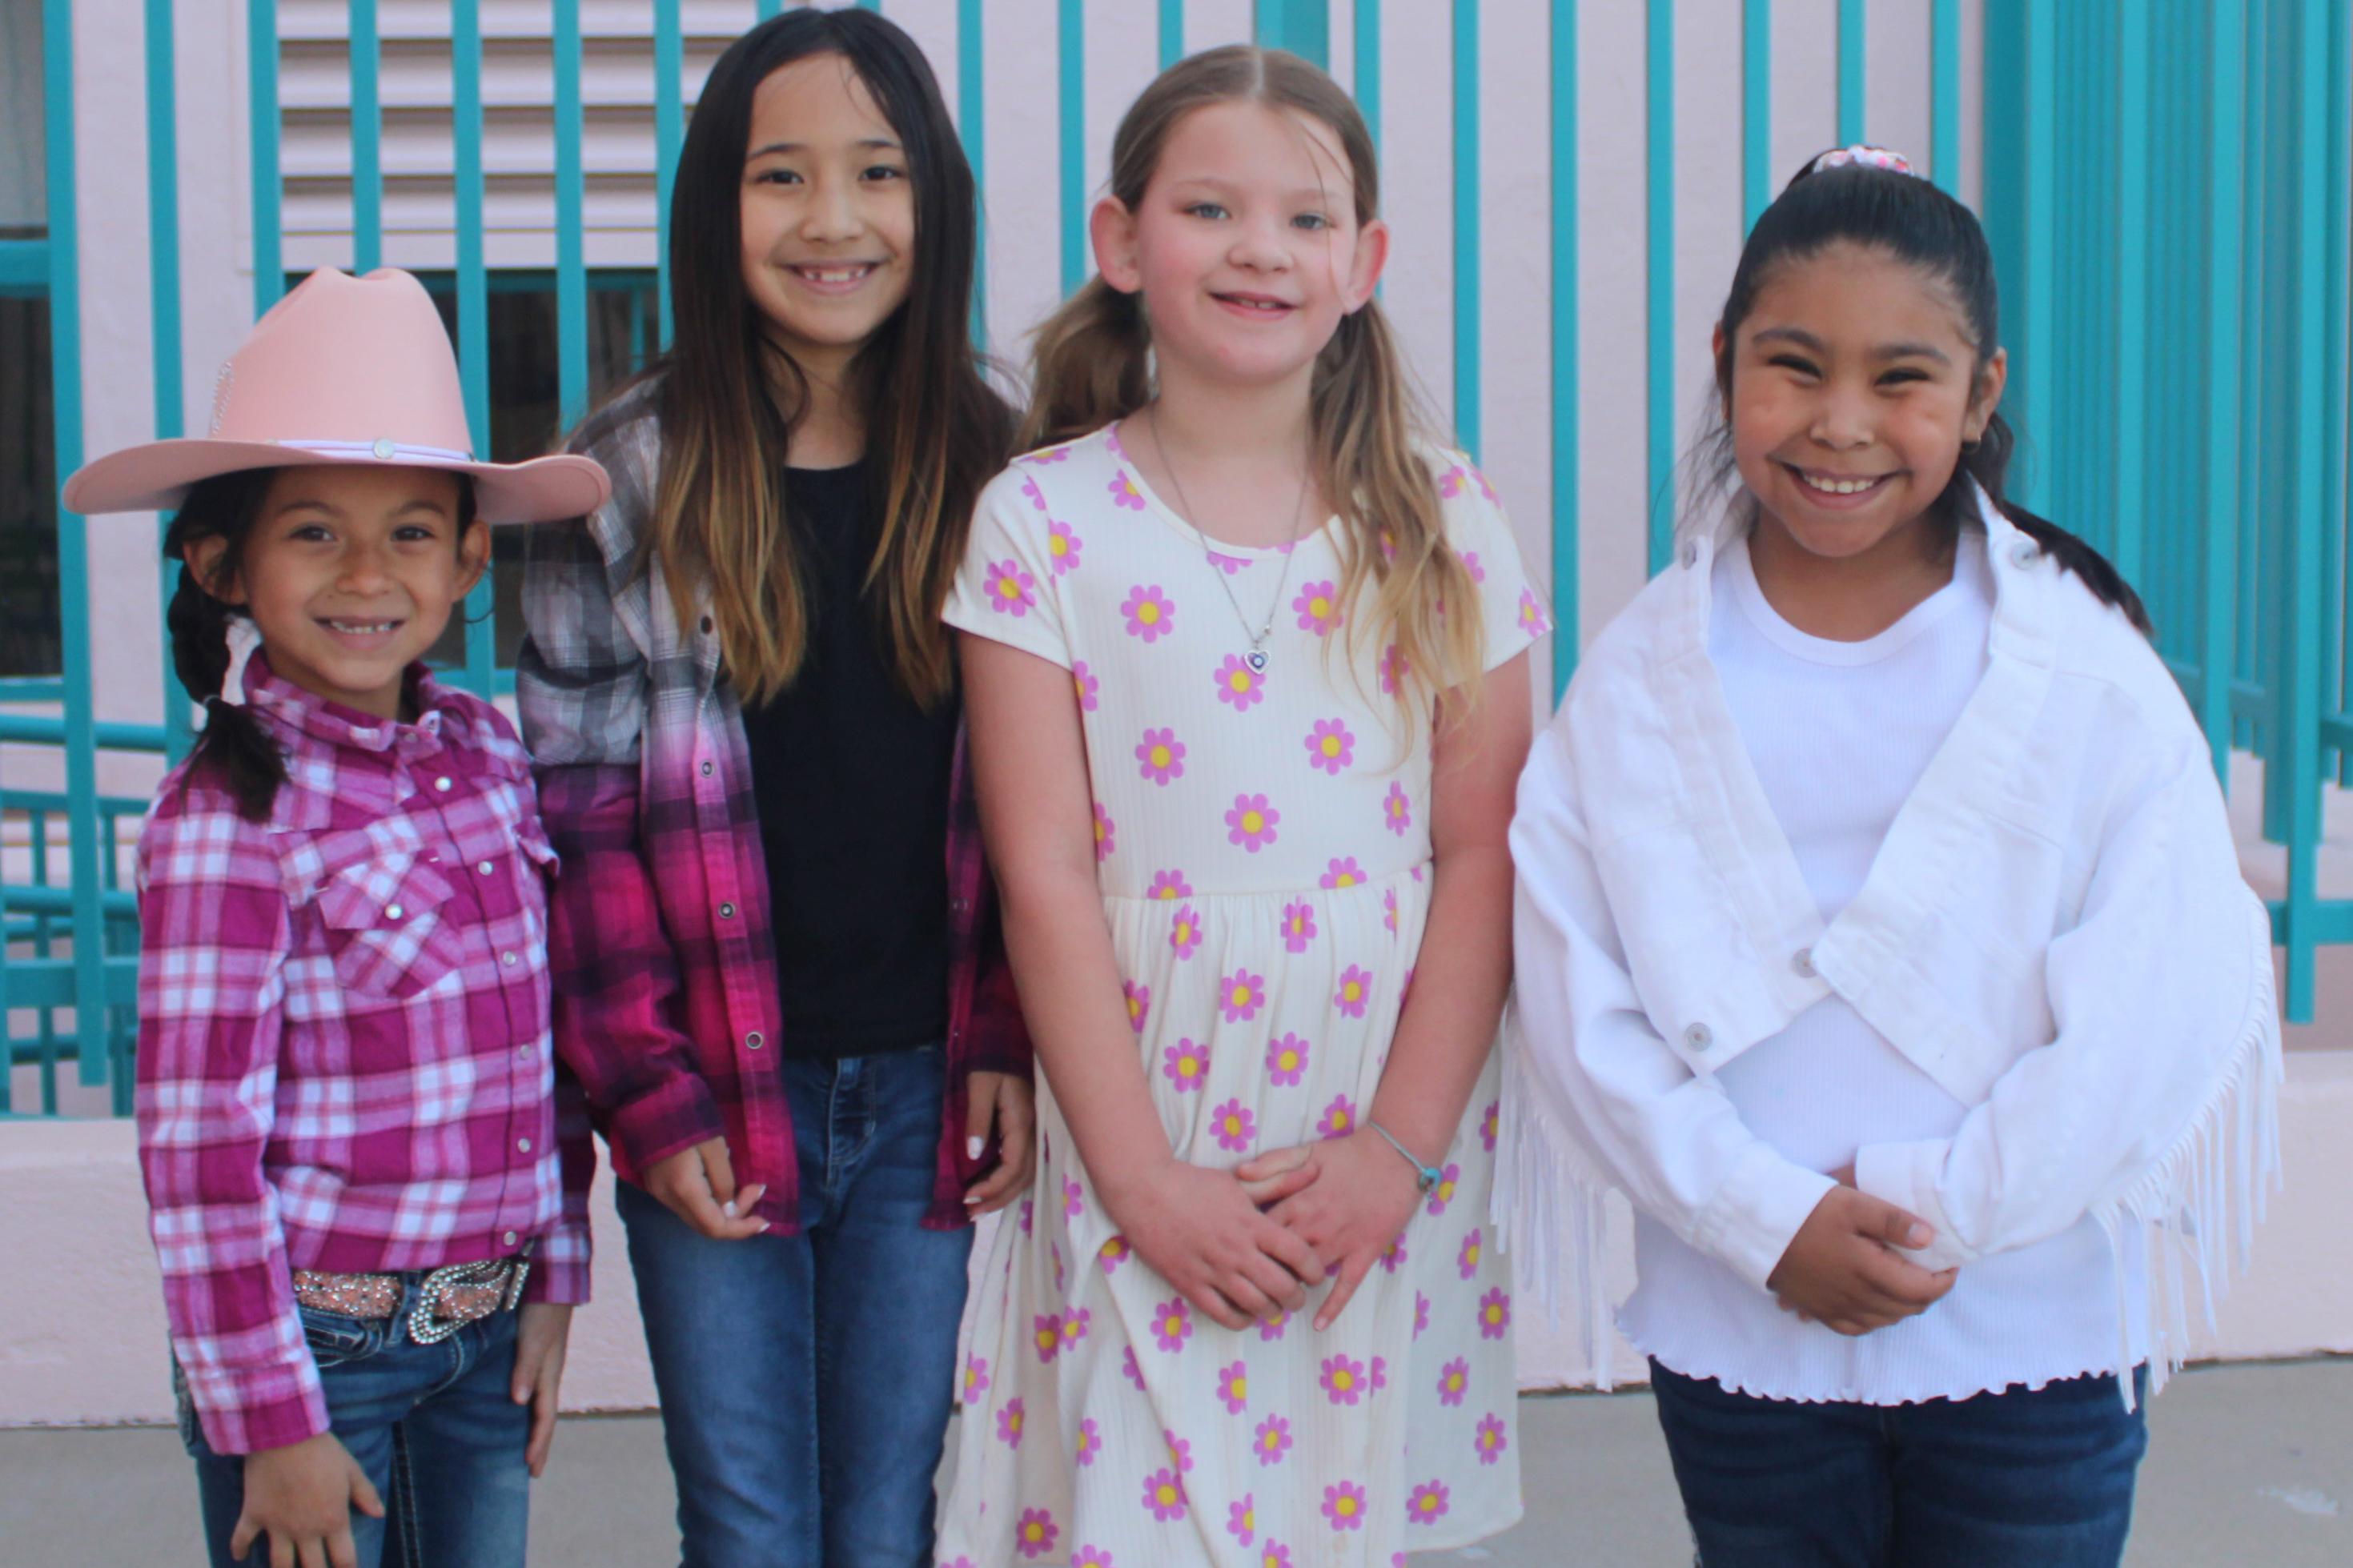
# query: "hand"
1200,1231
1839,1268
1005,1100
542,1331
302,1496
698,1184
1349,1219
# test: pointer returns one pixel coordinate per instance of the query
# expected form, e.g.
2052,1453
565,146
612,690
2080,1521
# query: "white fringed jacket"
2054,931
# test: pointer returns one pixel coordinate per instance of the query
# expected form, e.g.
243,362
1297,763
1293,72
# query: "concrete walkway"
2251,1464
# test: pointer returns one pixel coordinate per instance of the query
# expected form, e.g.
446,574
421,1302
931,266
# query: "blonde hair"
1092,367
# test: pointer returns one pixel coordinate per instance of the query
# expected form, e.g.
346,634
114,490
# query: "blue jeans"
806,1380
2041,1478
431,1425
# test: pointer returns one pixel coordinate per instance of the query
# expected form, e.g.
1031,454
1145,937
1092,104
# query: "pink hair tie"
1869,157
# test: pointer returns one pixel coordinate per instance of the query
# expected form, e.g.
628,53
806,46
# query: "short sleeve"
1516,615
1007,590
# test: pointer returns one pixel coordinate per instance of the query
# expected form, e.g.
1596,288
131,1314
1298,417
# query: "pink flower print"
1495,1313
1233,1126
1090,1441
1169,885
1114,1253
1444,1192
1470,564
1532,619
1298,926
1491,1439
957,1563
1009,589
1453,1381
1073,1200
1389,913
1075,1324
1054,1251
1163,1496
1087,684
1124,493
1172,1325
1277,1556
1453,482
1184,933
1388,545
1356,991
1466,1262
1393,1256
1271,1439
1111,441
1379,1376
1319,608
1341,873
1061,454
1046,1333
1339,1118
976,1379
1008,1424
1036,1532
1062,547
1343,1380
1240,994
1272,1328
1405,990
1250,822
1233,1388
1286,1060
1026,1216
1420,1314
1037,497
1241,1518
1397,809
1239,684
1091,1557
1105,828
1392,670
1150,613
1185,1064
1229,564
1160,757
1139,1003
1180,1451
1132,1367
1487,1123
1331,745
1344,1505
1427,1504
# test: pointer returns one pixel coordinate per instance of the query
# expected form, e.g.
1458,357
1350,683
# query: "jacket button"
753,1041
392,912
1802,960
706,770
1691,553
727,911
1699,1037
2022,553
958,906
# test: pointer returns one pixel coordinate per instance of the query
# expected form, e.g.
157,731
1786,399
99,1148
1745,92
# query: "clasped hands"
1844,1271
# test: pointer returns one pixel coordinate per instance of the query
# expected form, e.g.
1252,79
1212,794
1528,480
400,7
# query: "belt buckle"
426,1328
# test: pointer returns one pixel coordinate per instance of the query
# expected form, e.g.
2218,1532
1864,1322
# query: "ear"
203,558
1716,342
1111,227
1371,259
1986,396
473,556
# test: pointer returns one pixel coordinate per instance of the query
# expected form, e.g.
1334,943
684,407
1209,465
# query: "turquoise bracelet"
1425,1176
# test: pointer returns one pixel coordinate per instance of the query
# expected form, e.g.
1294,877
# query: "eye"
778,177
1209,210
1311,221
1795,364
310,532
410,532
1900,376
882,172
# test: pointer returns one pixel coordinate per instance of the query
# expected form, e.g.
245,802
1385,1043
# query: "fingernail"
763,1225
973,1146
1918,1235
728,1208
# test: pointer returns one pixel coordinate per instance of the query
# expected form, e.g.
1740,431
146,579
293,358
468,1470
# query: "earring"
1969,447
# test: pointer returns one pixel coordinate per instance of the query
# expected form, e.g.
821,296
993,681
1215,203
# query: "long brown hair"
726,396
1092,365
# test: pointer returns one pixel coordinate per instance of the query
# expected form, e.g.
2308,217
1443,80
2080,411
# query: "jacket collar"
315,718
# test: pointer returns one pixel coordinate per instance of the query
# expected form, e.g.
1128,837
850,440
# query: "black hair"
233,747
1912,220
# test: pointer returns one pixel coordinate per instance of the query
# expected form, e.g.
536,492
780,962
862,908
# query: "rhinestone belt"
447,1299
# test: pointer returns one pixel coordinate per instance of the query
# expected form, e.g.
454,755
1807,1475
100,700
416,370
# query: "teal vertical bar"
1566,426
90,1011
473,298
2226,140
1851,67
261,112
669,130
972,126
1172,32
1468,366
2131,403
163,307
2337,409
1945,94
2036,371
571,270
1368,67
366,57
1755,110
1302,26
767,8
1658,272
1071,62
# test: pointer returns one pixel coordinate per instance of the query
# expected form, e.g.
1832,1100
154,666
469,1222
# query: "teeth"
1837,486
834,274
362,628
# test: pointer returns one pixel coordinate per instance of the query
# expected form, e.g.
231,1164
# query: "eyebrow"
1226,187
871,143
1806,340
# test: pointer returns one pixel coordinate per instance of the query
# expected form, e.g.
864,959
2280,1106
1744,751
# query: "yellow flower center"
1166,892
1186,1066
1495,1314
1343,1380
1239,680
1471,1253
1345,1506
1166,1492
1099,830
1453,1383
1350,991
1331,745
1290,1060
1241,996
1250,1520
1173,1326
1253,821
1184,931
1427,1504
1057,544
1319,607
1080,686
1339,1118
1233,1126
1160,757
1147,612
1008,587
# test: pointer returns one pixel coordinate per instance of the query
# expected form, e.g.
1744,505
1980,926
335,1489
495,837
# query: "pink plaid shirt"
344,1061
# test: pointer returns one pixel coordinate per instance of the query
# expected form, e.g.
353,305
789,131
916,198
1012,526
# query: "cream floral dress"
1263,853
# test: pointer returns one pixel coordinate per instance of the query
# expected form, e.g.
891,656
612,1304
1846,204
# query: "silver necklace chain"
1256,658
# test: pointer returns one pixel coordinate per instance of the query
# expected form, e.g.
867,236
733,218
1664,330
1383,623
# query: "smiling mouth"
1266,304
362,628
1838,484
838,273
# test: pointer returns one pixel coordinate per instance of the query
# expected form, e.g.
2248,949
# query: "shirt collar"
331,723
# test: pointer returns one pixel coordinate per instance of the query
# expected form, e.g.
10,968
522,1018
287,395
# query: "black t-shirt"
850,777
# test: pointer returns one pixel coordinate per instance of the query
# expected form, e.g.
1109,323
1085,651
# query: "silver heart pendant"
1256,659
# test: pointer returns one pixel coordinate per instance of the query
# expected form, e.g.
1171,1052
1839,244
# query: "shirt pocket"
389,929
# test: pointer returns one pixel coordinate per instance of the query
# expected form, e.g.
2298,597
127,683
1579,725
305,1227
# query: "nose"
1843,418
365,570
831,213
1259,245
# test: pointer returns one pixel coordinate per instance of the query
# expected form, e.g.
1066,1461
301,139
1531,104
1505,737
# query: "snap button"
508,1239
958,906
385,449
1699,1037
1691,553
523,1052
392,912
442,782
484,868
2023,553
508,959
753,1042
706,770
727,911
1802,960
524,1144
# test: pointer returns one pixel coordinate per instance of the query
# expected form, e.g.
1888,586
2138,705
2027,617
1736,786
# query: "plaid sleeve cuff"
245,1410
560,1267
675,1113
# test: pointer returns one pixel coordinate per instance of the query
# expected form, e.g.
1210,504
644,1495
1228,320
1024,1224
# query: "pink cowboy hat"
341,370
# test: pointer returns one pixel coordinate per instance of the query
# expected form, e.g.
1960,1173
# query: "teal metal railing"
2165,182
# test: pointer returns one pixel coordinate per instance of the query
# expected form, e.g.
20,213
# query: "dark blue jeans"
806,1380
2023,1479
431,1425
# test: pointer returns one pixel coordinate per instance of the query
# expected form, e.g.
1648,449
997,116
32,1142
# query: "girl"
1246,779
778,972
346,1097
1880,934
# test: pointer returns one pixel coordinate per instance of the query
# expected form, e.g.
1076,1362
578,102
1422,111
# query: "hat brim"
156,478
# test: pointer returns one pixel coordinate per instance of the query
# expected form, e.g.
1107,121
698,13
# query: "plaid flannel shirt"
344,1061
663,949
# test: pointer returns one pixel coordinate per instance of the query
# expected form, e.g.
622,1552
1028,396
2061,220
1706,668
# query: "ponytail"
1986,461
1091,365
232,748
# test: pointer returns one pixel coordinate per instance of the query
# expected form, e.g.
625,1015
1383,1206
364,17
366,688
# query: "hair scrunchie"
1868,157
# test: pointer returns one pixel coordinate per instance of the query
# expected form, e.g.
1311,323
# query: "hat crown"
344,361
